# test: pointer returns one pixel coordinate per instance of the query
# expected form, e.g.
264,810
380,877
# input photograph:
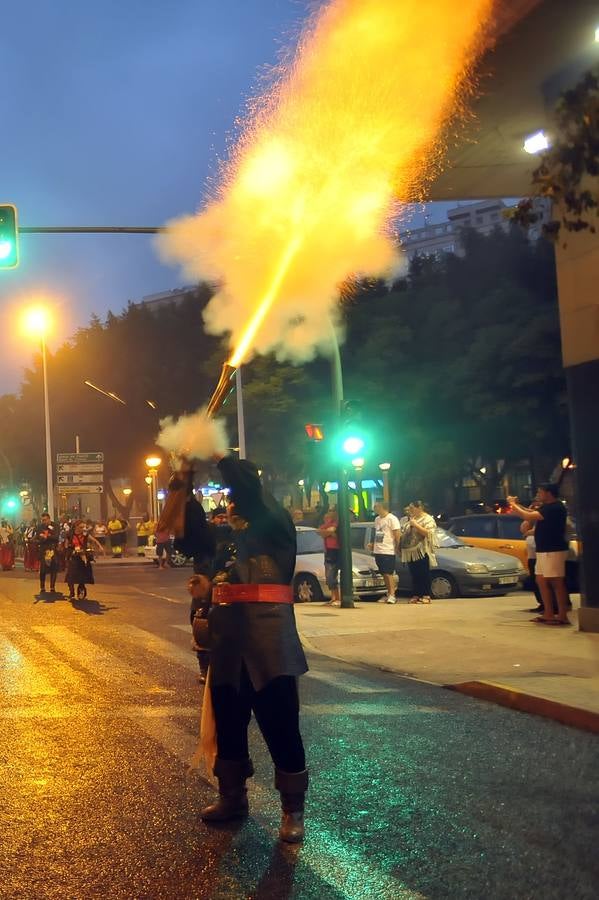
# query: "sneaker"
382,600
390,599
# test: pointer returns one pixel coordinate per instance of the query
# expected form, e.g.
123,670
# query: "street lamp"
148,481
152,462
384,467
37,322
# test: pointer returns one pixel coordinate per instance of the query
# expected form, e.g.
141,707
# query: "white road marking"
365,709
19,676
177,741
100,663
166,649
51,710
349,683
161,596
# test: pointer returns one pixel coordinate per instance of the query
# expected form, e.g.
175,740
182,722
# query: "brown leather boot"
232,800
292,787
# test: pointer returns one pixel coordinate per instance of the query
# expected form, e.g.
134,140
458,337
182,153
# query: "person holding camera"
550,520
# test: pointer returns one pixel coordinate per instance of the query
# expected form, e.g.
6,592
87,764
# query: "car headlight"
476,568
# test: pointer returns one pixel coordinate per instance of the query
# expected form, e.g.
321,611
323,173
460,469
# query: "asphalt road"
416,792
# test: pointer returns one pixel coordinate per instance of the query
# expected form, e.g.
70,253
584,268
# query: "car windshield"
444,540
309,541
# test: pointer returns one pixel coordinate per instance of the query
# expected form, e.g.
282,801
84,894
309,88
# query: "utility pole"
343,529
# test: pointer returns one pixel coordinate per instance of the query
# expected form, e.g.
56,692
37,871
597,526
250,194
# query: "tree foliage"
457,362
568,172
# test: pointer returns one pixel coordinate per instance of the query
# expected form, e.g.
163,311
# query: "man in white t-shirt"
386,541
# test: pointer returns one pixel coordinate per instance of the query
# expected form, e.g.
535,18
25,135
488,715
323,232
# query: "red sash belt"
252,593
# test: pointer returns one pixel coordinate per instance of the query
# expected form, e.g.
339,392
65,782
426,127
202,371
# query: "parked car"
309,580
460,571
501,533
177,560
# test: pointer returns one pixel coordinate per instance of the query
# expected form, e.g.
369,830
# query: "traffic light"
352,441
9,505
314,432
9,237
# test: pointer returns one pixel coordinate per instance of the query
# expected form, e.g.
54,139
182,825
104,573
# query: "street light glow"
6,248
536,142
384,467
353,445
37,321
152,462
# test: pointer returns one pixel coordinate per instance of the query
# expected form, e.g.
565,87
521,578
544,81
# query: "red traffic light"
314,432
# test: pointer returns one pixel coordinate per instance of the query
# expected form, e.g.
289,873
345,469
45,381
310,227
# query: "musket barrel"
221,390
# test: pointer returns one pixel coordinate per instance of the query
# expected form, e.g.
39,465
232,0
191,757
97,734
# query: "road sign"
80,479
73,458
80,467
82,489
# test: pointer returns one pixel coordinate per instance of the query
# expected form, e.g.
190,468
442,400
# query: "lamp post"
384,467
37,322
343,530
148,481
152,462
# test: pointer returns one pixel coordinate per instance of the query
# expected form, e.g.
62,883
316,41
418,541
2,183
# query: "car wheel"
443,586
178,560
306,589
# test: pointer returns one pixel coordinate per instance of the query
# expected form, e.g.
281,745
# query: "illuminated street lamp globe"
152,462
36,322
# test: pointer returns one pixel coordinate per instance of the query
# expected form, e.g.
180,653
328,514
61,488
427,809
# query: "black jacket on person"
263,636
198,537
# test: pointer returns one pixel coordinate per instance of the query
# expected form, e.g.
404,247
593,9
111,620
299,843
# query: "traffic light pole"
343,529
90,229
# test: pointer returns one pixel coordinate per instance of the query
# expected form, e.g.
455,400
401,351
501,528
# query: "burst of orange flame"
351,127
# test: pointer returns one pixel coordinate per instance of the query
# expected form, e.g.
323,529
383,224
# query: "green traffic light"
6,248
9,245
9,505
352,445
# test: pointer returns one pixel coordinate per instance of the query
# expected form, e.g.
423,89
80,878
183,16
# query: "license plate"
369,582
508,579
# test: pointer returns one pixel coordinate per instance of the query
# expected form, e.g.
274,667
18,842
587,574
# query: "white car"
177,559
309,582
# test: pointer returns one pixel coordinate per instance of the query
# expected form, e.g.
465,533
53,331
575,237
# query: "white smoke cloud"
194,436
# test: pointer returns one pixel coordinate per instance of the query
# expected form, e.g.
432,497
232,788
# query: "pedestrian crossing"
124,673
49,660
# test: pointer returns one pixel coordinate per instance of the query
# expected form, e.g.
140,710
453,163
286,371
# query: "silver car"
309,579
461,571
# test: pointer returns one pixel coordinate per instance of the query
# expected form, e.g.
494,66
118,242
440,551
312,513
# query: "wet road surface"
416,792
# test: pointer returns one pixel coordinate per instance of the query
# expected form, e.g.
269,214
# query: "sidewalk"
486,647
132,560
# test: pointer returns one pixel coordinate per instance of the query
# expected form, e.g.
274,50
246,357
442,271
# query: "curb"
503,695
492,692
